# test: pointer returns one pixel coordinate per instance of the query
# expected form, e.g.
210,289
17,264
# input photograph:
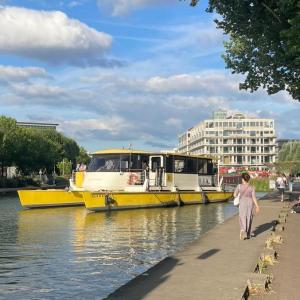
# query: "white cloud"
122,7
112,127
74,4
38,90
211,82
50,37
176,122
12,74
196,38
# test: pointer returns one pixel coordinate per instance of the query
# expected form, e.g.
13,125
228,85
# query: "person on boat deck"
145,166
82,167
145,173
109,164
246,207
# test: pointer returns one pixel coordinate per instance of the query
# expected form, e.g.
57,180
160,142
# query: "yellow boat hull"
125,200
99,201
48,198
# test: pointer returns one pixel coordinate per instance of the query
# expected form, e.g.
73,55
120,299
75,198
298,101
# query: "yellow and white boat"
125,178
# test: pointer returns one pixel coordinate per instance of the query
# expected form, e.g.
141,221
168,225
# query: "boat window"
155,163
191,165
124,163
202,166
104,163
179,164
210,168
169,163
137,160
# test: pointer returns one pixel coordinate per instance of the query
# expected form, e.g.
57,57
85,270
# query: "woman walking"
246,207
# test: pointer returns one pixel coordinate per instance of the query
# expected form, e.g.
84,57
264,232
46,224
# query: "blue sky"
114,73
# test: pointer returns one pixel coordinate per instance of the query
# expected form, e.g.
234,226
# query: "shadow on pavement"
208,253
264,227
140,286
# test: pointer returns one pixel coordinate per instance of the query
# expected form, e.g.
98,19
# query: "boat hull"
48,198
125,200
100,201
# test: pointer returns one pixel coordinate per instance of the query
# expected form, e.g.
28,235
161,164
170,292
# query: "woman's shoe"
243,235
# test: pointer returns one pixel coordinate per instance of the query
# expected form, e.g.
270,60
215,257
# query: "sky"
123,72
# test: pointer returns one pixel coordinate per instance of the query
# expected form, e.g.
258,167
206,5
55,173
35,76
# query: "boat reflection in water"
71,252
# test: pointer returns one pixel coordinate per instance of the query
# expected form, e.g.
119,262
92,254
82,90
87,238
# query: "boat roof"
133,151
122,151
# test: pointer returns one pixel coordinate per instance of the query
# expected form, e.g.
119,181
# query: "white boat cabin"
131,170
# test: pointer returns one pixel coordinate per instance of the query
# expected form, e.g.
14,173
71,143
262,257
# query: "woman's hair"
246,176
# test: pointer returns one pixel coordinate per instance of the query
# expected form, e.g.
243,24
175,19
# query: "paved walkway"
216,266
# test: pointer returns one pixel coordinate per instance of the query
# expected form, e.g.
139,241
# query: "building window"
239,159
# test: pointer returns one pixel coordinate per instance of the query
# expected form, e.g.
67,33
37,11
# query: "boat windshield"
116,163
106,163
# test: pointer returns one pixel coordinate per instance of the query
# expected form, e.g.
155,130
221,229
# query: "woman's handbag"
236,200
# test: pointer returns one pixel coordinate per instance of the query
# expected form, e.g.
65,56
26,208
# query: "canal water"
64,253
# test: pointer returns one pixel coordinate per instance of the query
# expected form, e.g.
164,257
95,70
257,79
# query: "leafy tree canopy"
83,157
32,149
9,134
264,42
289,157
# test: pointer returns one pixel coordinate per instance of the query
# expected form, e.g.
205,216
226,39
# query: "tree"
32,149
9,135
64,167
36,152
264,42
289,158
83,157
68,148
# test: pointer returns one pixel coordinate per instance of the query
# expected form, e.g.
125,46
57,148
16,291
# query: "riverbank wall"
4,191
219,265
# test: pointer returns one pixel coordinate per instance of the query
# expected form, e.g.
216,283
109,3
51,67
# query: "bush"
17,182
61,181
260,184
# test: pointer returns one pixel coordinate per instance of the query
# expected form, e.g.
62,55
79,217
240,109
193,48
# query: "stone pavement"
216,266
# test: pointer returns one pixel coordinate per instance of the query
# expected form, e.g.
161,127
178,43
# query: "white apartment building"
235,141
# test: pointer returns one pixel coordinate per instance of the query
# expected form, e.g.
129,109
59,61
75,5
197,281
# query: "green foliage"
35,152
83,157
264,42
17,182
64,167
289,158
260,184
32,149
67,147
9,134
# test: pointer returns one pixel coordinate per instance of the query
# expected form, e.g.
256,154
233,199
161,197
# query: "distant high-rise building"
37,125
235,140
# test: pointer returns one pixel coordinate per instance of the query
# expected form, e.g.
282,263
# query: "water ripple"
62,253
